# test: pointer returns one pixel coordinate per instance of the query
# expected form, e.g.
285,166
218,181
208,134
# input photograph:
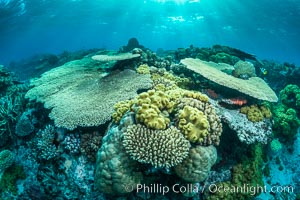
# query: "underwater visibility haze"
150,99
269,29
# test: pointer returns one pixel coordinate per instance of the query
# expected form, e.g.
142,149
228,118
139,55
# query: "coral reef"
248,132
196,167
25,124
90,144
256,113
43,143
286,122
160,148
8,182
254,86
193,123
244,70
153,108
116,172
199,104
7,158
121,56
290,96
143,69
74,90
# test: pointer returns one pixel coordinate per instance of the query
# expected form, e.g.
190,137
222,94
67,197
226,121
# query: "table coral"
81,96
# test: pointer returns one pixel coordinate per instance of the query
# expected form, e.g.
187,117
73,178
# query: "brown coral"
160,148
196,167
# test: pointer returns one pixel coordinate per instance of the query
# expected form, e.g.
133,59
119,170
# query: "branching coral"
44,145
160,148
90,144
247,131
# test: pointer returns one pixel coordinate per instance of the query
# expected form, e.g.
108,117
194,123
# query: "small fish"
263,71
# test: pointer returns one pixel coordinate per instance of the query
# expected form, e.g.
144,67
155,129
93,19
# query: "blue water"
268,29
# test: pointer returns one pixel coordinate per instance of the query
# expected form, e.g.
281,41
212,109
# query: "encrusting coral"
160,148
196,167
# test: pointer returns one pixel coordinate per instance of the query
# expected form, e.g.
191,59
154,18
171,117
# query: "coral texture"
143,69
25,125
117,57
196,167
214,126
153,108
256,113
116,172
193,124
44,143
254,86
247,131
7,158
80,96
290,96
243,70
160,148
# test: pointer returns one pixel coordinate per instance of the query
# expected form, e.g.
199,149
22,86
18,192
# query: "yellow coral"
193,123
120,109
143,69
254,113
153,108
266,112
196,95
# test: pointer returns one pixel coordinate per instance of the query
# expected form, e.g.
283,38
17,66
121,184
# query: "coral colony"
201,123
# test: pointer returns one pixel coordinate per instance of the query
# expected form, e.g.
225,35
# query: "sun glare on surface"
177,1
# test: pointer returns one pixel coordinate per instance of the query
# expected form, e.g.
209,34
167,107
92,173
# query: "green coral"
224,58
290,96
286,122
249,173
6,160
275,145
10,177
